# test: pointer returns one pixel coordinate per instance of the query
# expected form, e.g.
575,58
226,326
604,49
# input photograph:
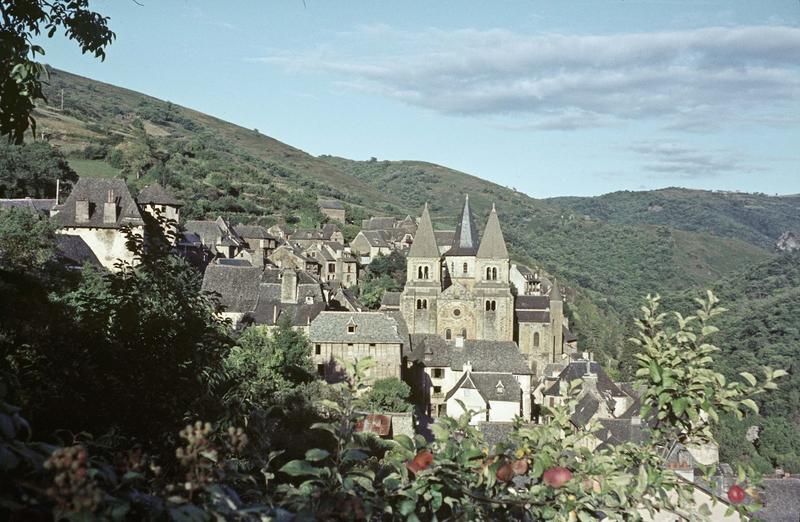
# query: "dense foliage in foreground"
263,438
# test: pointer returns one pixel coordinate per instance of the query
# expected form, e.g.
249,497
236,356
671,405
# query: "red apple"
736,494
520,467
557,476
421,461
505,472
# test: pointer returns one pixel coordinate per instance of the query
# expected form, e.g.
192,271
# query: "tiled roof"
484,356
371,327
532,302
577,369
253,231
331,203
378,223
233,262
585,410
213,233
465,241
157,195
39,205
96,191
444,237
487,385
391,299
493,245
74,251
424,244
531,316
375,238
620,431
236,285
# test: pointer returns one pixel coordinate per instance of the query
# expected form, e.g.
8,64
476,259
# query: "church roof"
157,195
465,241
424,244
493,245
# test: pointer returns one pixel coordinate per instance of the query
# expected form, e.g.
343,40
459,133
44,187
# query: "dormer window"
309,299
351,328
500,389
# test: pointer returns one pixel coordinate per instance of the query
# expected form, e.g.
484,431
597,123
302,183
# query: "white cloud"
693,80
679,160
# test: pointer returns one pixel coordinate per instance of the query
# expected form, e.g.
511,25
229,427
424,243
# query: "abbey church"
474,292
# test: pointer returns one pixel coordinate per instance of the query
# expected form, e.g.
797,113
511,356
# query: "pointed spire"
493,245
465,240
555,293
424,244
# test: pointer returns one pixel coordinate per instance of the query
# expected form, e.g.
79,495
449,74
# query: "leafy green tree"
20,73
387,395
27,241
31,170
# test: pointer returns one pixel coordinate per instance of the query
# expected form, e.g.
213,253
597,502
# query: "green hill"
756,218
221,168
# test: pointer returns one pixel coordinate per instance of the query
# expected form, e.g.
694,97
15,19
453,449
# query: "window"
309,299
536,340
318,349
419,273
419,304
500,389
491,273
494,273
332,268
426,273
448,334
456,312
466,267
437,390
372,345
491,306
321,370
422,304
464,333
438,373
351,328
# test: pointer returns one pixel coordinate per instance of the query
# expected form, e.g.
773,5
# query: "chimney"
82,210
467,366
289,286
110,209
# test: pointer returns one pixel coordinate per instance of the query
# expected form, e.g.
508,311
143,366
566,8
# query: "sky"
553,98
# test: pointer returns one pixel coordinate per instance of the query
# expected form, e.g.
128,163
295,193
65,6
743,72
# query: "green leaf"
750,403
354,454
679,406
316,454
299,468
405,441
749,377
325,426
655,372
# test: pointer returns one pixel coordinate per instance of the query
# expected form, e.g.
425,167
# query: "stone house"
369,244
436,370
332,209
343,337
156,201
217,236
291,256
43,207
280,230
337,264
97,210
257,237
305,237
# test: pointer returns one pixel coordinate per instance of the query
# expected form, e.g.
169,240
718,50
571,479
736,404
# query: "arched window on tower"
426,273
424,304
419,273
448,334
488,272
463,333
419,304
491,306
466,268
494,273
536,340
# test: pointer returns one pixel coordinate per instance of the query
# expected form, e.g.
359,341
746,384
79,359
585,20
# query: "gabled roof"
157,195
424,244
391,299
253,231
378,223
577,369
487,384
780,499
493,245
38,205
237,286
213,233
532,316
96,191
484,356
371,327
465,241
532,302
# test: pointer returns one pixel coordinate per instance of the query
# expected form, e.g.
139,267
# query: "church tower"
492,287
460,259
419,301
557,321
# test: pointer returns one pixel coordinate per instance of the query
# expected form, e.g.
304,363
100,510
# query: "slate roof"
569,337
487,386
391,299
465,241
213,233
424,244
233,262
378,223
781,500
532,316
371,327
444,237
620,431
157,195
577,369
38,205
484,356
375,238
493,245
585,410
331,203
73,251
253,231
96,191
532,302
237,286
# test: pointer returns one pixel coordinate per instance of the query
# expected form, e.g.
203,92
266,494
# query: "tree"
387,395
20,74
31,171
27,241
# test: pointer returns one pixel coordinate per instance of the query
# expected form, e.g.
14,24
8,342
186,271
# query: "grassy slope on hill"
221,168
756,218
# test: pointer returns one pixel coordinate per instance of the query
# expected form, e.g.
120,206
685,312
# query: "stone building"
157,202
218,236
332,209
343,337
306,237
98,210
465,293
337,264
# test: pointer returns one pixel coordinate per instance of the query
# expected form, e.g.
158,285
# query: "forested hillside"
610,250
